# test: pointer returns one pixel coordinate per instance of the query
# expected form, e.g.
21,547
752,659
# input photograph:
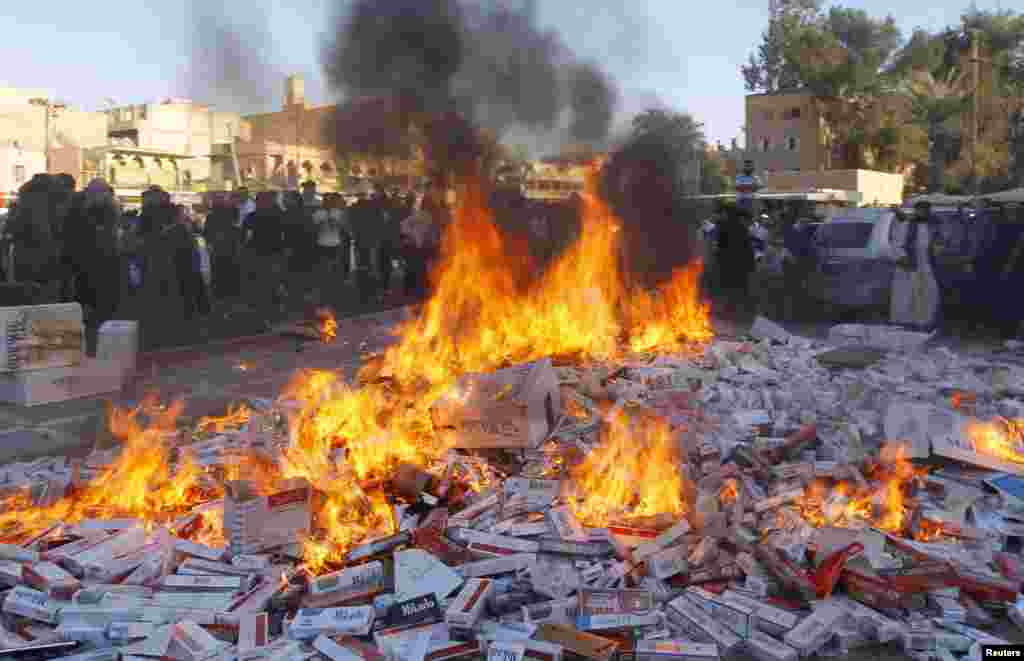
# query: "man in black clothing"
224,237
735,259
264,253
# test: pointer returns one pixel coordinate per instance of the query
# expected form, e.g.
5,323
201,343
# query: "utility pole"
975,36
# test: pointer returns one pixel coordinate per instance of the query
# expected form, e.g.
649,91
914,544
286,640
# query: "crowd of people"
82,246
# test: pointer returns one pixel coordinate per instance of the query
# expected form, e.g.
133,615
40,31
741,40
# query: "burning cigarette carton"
51,580
581,644
511,408
778,500
539,492
253,633
311,622
256,523
33,604
674,650
663,540
468,605
814,631
476,509
492,545
684,613
737,616
763,647
191,642
348,585
200,567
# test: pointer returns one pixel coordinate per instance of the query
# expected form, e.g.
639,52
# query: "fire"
881,505
235,417
729,492
483,314
634,472
139,484
328,325
1002,438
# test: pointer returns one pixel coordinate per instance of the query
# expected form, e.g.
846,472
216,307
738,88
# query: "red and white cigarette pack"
466,608
254,523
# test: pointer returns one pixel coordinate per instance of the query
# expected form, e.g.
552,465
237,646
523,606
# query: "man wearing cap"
915,300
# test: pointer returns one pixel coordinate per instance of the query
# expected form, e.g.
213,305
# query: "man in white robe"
916,299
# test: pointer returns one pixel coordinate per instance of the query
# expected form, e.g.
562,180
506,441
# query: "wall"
883,187
32,162
780,118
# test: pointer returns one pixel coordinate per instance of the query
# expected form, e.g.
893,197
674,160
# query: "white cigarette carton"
668,562
191,642
190,583
466,608
503,565
814,631
567,525
686,614
311,622
253,633
763,647
737,616
33,604
255,523
51,580
40,337
350,584
675,650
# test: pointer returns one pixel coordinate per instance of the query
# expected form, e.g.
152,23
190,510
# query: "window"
19,174
794,113
127,115
792,143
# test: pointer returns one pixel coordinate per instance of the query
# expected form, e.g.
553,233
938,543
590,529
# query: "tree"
713,180
679,132
768,69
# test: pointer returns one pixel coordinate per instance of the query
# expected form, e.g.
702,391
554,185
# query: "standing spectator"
915,299
264,258
223,233
246,205
392,215
31,230
329,233
300,238
735,259
91,232
187,270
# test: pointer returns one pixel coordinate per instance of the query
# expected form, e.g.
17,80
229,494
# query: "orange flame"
1001,438
235,417
328,325
634,472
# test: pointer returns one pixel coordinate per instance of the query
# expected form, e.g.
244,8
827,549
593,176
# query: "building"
39,134
281,149
882,188
785,132
177,144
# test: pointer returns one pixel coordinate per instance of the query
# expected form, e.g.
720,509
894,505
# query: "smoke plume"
230,63
484,62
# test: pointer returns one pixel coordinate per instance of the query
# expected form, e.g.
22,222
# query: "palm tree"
937,100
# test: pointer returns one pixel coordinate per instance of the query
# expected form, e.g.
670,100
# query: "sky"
683,54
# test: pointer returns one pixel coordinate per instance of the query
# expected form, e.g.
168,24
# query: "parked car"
855,259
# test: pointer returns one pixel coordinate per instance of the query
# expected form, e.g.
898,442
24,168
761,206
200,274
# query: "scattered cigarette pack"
33,604
733,614
191,642
763,647
468,605
668,562
674,650
348,585
123,632
454,650
559,611
253,633
311,622
767,618
200,567
616,621
92,561
503,565
15,553
694,621
186,547
614,602
535,491
814,631
47,577
193,583
495,545
567,525
581,644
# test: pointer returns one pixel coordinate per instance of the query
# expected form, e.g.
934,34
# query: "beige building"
785,132
289,146
177,144
34,129
874,187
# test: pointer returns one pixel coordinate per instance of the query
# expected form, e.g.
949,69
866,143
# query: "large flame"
1001,438
483,314
882,504
634,472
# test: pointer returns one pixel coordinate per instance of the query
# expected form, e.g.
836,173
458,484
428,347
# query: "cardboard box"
90,378
39,337
118,341
254,523
515,407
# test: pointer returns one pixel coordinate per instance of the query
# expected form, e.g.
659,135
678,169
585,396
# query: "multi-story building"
176,144
785,132
39,134
292,145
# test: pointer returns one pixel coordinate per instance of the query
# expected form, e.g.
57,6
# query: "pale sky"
686,53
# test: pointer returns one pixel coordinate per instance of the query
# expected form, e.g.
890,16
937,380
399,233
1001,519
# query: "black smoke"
435,60
231,63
